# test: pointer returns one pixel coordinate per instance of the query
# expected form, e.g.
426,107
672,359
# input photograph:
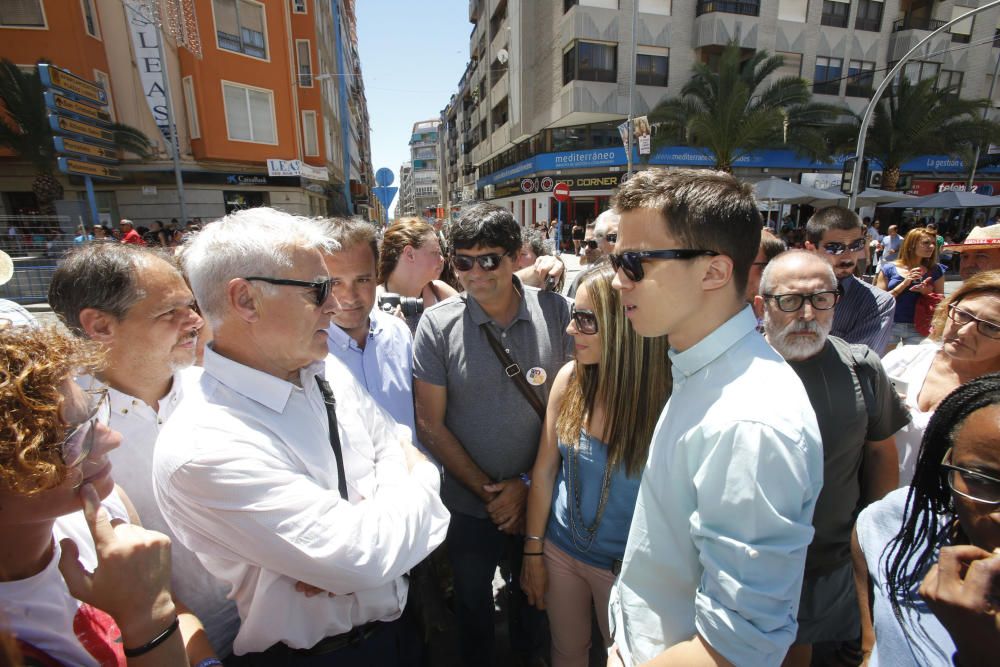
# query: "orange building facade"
255,110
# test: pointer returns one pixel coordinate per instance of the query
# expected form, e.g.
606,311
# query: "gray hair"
254,241
103,276
766,278
604,221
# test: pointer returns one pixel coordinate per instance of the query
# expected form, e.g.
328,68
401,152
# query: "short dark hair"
487,225
349,232
104,276
832,217
703,209
771,246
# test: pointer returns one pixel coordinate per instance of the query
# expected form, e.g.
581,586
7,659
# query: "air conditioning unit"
875,179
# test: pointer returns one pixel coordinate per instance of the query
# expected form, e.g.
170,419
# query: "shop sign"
545,184
283,167
245,179
921,188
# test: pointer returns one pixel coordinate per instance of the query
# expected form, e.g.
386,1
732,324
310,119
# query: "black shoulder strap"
863,373
513,371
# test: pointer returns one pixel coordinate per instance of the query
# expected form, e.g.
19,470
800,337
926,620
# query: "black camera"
409,305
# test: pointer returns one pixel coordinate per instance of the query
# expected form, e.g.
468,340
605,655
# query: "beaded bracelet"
154,642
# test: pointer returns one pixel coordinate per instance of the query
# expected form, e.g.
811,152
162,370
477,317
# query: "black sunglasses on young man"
837,248
321,288
630,262
488,262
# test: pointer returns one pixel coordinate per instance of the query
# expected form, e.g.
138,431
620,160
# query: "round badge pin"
536,376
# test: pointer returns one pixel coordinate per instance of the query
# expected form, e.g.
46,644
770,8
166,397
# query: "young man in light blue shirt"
377,347
713,567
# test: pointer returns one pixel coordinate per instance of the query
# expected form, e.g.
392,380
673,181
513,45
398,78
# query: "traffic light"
847,175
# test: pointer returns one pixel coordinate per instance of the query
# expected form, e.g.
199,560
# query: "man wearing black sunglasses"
864,313
716,549
475,415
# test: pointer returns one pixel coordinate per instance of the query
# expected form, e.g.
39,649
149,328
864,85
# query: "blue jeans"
905,332
475,548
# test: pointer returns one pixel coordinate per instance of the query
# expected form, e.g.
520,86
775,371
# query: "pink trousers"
572,584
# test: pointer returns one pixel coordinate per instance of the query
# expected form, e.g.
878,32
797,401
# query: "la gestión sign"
146,45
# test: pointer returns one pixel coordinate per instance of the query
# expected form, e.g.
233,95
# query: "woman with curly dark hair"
76,587
927,557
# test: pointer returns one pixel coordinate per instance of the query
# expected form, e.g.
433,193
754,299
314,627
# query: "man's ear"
718,272
758,306
810,246
98,325
242,300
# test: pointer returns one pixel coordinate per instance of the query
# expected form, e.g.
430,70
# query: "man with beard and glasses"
135,303
865,313
858,413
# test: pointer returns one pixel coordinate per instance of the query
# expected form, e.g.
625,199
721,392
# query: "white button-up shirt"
132,469
718,541
245,475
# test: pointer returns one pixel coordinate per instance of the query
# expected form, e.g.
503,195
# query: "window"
299,7
587,61
918,71
303,55
104,81
792,10
860,78
500,114
950,79
869,15
249,113
22,14
835,13
310,135
661,7
744,7
826,79
961,32
651,70
90,18
190,106
239,27
791,64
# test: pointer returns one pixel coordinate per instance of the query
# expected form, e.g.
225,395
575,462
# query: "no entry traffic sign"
561,192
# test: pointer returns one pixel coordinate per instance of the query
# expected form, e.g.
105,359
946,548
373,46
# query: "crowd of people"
293,441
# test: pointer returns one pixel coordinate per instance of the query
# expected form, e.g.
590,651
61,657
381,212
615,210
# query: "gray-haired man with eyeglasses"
864,313
858,413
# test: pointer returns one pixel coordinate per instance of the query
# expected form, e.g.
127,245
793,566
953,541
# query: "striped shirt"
864,314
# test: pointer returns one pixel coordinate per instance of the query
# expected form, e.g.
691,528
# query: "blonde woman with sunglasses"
600,419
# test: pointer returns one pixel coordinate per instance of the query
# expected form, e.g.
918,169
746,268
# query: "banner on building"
145,36
642,134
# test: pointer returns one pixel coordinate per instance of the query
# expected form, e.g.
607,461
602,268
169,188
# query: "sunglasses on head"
488,262
585,321
837,248
630,263
321,288
77,446
590,243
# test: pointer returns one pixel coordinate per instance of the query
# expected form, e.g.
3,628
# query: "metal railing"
916,23
744,7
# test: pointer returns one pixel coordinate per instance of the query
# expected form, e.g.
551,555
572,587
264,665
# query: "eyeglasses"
590,243
961,318
321,287
585,321
630,262
789,303
611,237
836,248
488,262
77,446
971,484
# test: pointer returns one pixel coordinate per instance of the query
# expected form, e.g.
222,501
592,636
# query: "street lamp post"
886,82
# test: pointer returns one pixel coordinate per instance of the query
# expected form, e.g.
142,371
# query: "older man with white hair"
858,413
280,471
606,231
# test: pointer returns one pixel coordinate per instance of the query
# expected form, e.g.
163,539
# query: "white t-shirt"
41,612
907,366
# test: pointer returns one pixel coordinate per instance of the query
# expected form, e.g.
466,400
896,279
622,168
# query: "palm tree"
917,119
24,129
731,112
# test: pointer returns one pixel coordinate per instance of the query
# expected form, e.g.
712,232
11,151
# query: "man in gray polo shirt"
475,421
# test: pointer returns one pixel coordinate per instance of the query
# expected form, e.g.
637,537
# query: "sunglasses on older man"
321,287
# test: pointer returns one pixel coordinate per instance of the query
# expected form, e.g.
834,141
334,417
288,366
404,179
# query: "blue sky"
413,54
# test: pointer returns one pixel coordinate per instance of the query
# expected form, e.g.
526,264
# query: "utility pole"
631,89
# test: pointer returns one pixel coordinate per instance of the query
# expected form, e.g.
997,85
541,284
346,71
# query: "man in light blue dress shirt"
377,347
715,556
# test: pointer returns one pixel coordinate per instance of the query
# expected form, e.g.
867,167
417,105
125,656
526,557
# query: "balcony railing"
916,23
744,7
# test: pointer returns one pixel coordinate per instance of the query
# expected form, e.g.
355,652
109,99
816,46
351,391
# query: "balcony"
743,7
910,22
909,30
